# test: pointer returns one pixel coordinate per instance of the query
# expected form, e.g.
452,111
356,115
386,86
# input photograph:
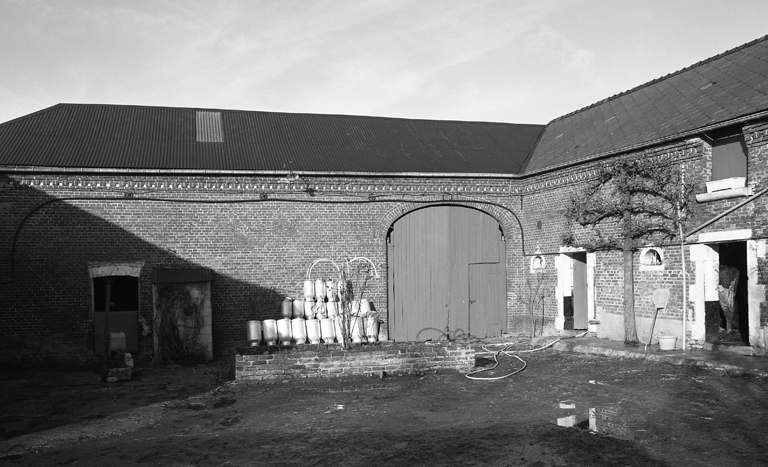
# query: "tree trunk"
630,330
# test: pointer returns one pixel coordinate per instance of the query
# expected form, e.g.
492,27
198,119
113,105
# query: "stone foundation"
310,361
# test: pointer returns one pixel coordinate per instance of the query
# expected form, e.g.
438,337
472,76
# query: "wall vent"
208,127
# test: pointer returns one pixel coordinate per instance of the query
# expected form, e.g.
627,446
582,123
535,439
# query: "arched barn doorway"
447,275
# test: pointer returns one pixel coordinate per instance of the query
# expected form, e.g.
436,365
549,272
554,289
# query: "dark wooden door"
430,252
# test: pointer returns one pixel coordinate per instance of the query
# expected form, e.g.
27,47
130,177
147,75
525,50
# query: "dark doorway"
733,257
123,310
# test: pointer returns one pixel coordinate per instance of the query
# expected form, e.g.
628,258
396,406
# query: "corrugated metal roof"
135,137
731,85
710,93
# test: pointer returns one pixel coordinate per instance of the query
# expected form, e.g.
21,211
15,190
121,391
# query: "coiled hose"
503,350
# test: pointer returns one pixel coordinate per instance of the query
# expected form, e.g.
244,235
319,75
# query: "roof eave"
647,144
281,173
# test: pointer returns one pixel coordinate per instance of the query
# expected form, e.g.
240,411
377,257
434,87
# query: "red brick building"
462,220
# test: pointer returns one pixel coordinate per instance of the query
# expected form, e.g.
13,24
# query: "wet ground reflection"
608,421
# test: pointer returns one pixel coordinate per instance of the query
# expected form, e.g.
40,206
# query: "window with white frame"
652,259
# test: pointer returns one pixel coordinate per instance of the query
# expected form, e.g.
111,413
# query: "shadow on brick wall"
50,246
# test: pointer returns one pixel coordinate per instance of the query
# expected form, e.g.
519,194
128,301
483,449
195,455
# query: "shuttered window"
729,157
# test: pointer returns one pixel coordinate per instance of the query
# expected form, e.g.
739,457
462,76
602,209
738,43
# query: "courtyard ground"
624,412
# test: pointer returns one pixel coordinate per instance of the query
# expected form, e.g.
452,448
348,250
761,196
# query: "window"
729,154
652,259
123,296
537,263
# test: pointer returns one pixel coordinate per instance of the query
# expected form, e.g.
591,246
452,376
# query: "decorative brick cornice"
217,184
505,217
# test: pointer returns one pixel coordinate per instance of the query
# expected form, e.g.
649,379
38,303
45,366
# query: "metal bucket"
254,333
269,331
313,331
299,330
284,331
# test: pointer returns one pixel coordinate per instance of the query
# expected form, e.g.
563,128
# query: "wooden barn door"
438,257
485,303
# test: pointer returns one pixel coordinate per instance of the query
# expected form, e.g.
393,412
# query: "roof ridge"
211,109
33,114
662,78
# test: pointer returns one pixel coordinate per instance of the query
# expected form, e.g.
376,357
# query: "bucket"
383,332
331,308
309,308
338,329
356,323
365,307
326,330
667,342
254,333
320,289
313,331
269,330
309,289
372,328
284,331
330,288
299,330
320,310
287,308
298,308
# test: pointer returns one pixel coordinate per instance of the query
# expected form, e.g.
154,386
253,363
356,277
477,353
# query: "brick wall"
257,233
253,233
545,196
311,361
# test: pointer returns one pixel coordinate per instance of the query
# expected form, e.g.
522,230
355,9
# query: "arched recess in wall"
446,273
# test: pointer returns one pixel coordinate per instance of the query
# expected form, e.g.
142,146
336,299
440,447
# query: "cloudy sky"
511,61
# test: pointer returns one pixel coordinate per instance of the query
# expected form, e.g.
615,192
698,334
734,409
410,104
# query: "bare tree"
631,202
538,286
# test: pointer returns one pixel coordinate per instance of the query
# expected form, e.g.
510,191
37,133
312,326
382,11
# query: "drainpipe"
682,258
107,336
685,287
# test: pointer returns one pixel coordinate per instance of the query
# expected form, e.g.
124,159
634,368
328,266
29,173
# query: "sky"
511,61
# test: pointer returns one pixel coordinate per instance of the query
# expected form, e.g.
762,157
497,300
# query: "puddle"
608,421
568,421
224,402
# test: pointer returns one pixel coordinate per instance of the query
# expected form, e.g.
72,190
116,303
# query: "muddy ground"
642,414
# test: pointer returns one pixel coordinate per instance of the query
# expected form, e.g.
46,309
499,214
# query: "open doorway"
575,302
123,310
733,316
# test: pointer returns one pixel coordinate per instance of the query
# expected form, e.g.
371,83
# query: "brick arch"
506,218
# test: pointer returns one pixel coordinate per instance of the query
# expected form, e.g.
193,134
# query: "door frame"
564,266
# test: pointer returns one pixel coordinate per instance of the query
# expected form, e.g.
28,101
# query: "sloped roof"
134,137
713,92
725,87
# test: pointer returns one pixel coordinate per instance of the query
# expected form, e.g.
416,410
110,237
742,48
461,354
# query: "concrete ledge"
725,363
320,360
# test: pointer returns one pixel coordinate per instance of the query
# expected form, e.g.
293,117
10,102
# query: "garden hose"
504,351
